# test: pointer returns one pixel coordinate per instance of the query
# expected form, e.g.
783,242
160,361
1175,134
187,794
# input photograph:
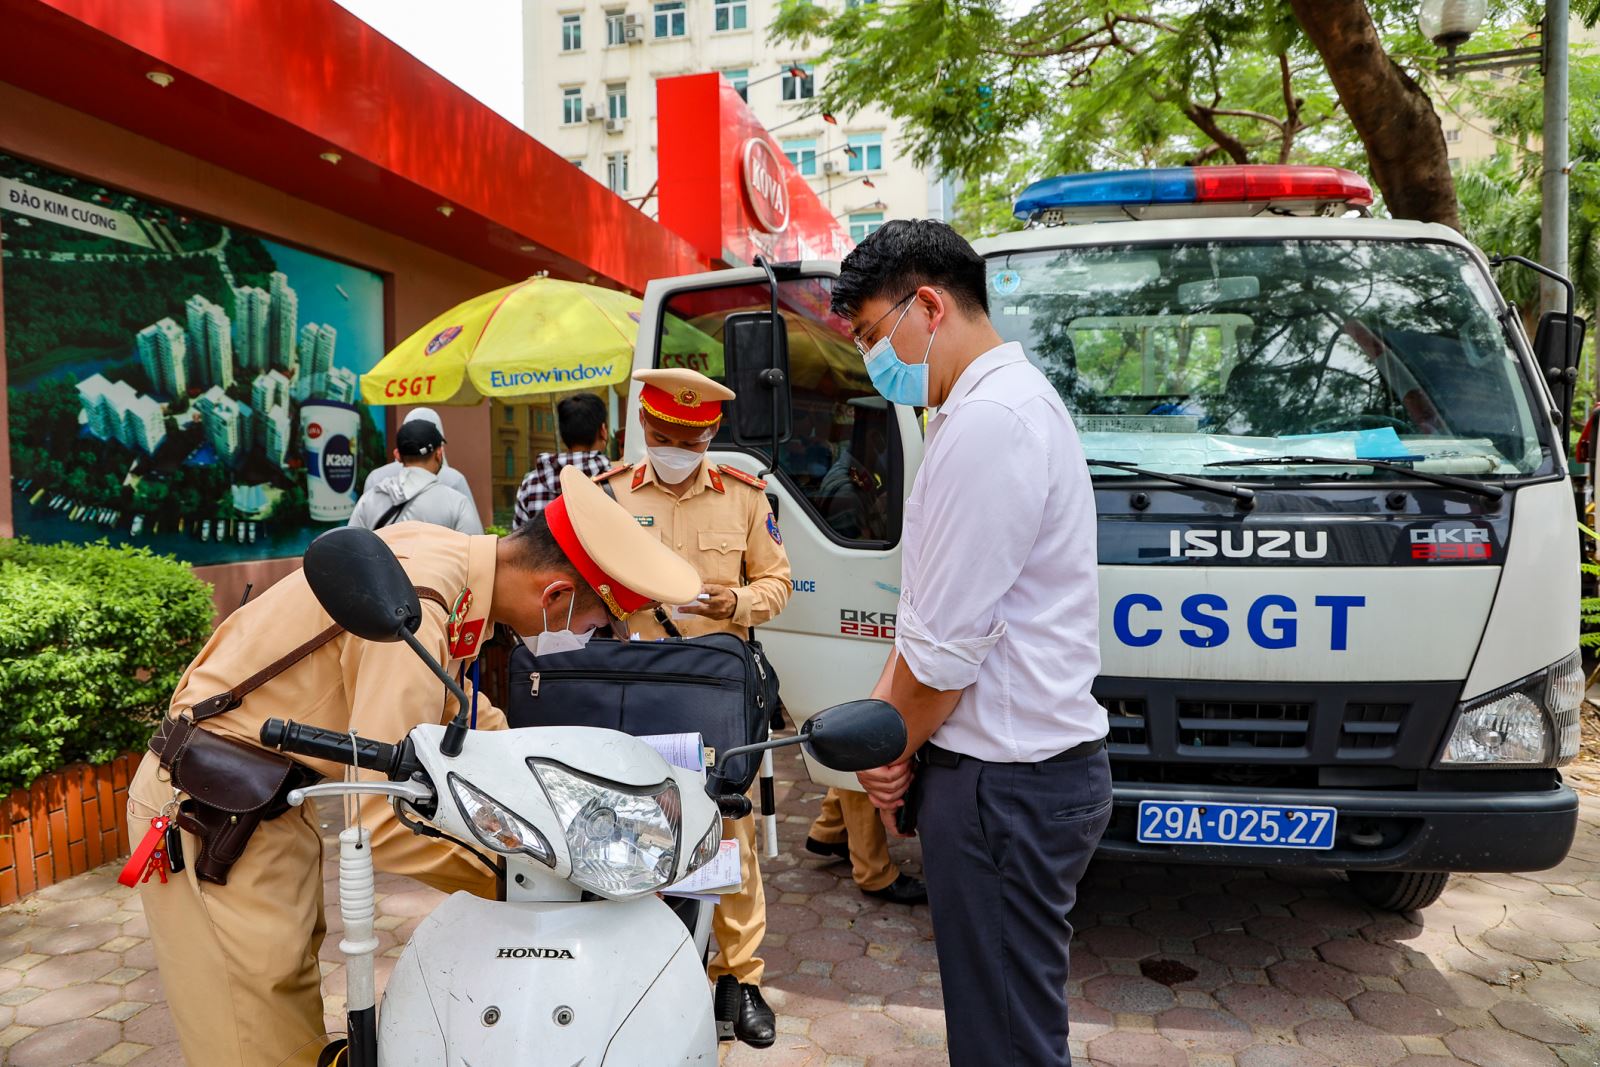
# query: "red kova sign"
764,185
726,188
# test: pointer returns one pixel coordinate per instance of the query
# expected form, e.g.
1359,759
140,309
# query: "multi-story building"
252,319
306,347
103,404
164,354
321,354
143,424
269,390
283,323
590,70
250,430
210,341
275,433
118,412
340,384
223,423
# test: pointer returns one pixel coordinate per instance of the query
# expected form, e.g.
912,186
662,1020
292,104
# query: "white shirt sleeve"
982,505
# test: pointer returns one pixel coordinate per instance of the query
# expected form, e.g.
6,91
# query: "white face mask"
673,465
552,642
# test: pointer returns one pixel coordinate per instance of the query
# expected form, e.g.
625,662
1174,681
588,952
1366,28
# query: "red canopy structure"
267,88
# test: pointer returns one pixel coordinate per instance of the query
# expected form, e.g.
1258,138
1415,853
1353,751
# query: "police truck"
1337,546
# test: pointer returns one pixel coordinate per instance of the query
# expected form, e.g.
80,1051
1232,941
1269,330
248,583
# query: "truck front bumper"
1527,830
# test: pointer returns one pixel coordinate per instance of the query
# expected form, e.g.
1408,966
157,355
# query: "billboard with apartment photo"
177,382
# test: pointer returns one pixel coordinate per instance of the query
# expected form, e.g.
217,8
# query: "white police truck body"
1337,547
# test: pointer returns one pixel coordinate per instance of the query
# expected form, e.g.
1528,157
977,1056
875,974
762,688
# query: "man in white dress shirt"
996,647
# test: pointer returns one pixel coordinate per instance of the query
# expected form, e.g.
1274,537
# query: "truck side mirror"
1557,345
755,353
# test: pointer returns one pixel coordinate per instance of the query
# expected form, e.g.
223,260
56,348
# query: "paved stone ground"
1180,966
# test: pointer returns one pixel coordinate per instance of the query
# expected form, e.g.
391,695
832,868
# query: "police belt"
935,756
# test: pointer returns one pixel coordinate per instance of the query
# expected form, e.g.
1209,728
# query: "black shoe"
903,890
756,1025
830,849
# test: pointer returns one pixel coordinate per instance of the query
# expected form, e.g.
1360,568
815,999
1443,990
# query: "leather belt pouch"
232,787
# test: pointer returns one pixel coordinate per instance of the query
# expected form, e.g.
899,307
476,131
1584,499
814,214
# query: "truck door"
840,479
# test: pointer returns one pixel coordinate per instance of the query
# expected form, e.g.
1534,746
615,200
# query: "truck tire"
1399,890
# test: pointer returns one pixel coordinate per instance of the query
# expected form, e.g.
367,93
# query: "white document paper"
721,875
680,750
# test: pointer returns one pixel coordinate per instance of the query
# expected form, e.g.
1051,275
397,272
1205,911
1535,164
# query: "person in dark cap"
447,474
416,494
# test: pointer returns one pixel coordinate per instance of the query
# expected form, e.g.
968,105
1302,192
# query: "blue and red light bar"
1235,184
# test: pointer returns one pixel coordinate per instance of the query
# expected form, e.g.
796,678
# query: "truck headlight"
1533,722
498,827
623,841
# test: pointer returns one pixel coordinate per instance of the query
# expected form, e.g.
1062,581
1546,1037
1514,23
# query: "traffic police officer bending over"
237,943
718,519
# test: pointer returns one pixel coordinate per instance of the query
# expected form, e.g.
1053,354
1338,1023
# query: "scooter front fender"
595,982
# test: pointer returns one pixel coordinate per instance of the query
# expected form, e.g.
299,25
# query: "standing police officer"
718,519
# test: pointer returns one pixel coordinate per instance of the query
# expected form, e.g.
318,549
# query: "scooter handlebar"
396,761
732,805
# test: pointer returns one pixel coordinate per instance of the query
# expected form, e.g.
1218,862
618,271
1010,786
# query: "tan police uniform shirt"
723,526
379,689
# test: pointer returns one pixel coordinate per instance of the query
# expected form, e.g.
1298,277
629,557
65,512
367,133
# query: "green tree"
1501,196
981,86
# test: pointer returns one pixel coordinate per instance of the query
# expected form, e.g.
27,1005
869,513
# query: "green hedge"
93,640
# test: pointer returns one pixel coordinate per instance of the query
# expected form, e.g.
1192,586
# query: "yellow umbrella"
539,336
683,345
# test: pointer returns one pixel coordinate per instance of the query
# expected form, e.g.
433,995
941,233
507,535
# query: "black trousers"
1003,848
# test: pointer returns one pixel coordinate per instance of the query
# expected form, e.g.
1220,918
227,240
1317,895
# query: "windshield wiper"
1245,497
1493,492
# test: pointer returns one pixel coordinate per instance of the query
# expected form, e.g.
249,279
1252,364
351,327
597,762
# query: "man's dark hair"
579,418
534,548
902,256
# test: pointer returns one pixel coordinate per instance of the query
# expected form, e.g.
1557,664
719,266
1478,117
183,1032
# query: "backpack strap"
394,512
231,699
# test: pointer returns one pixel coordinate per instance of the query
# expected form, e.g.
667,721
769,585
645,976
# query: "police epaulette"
613,472
738,475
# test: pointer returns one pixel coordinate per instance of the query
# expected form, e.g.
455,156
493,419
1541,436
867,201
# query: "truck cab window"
842,455
1180,355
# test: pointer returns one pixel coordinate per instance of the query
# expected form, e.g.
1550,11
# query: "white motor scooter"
580,962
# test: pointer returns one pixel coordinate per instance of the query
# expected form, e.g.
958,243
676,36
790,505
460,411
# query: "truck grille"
1127,721
1304,733
1371,729
1214,724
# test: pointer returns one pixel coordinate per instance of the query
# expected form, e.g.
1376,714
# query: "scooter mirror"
857,736
358,581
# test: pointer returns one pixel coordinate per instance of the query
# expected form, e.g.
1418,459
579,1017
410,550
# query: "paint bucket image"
330,431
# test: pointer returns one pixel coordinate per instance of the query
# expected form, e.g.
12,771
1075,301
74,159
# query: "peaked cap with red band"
624,563
681,396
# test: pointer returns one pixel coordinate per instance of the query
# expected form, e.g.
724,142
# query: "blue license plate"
1188,822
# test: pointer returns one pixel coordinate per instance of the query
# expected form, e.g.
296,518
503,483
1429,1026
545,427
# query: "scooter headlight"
623,841
707,849
498,827
1531,722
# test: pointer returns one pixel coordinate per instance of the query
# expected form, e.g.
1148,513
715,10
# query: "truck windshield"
1179,356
